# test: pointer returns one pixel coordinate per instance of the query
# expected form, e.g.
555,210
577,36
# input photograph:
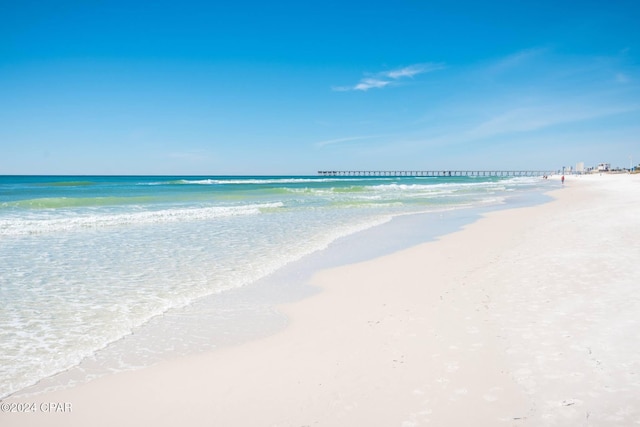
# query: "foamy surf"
78,274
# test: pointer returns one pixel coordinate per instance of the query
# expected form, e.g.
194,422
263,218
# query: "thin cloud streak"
520,121
413,70
537,118
367,84
517,59
389,78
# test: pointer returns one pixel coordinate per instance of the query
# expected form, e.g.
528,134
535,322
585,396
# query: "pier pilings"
434,173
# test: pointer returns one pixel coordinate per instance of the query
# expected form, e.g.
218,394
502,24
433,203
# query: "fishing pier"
441,173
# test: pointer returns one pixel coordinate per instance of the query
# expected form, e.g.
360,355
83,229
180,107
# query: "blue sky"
167,87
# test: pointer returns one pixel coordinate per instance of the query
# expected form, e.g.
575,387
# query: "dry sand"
527,317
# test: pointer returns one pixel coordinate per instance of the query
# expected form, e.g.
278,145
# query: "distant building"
604,167
580,167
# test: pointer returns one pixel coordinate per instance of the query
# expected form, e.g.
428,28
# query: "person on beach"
562,179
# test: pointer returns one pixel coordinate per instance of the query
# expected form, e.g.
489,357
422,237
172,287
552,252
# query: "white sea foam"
67,294
267,181
82,320
21,226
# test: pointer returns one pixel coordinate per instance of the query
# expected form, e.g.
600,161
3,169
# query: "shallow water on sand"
85,262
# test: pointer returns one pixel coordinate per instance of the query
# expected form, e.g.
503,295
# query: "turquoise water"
86,261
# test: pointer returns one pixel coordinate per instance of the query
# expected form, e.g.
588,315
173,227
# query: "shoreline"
251,312
448,332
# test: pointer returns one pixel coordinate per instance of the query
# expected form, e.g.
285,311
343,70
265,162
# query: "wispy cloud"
511,123
389,78
413,70
531,119
537,101
517,59
370,83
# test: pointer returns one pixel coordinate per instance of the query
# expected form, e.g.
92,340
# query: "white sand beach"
527,317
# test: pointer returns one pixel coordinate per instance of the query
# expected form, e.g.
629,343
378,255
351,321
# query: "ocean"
106,273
